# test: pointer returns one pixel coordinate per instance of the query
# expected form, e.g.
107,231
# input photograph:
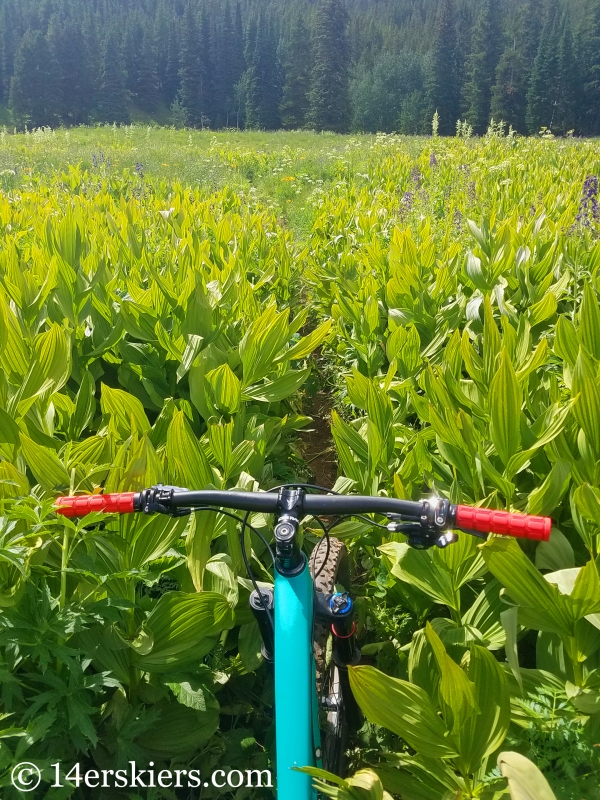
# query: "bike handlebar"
466,518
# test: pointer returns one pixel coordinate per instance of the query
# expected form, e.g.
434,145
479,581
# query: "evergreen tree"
509,100
132,48
206,73
263,88
569,82
35,86
329,93
542,93
442,78
189,69
147,87
294,104
113,97
12,32
172,80
229,52
70,50
481,67
591,88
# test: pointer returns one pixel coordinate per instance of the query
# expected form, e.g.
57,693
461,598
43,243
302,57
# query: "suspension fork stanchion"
294,685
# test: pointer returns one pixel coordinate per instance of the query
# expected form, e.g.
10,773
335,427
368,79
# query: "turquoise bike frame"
295,686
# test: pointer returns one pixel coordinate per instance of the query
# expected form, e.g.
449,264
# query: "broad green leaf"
261,343
152,539
126,412
185,455
225,389
184,628
50,364
144,468
581,585
555,554
566,341
279,389
417,568
85,404
402,708
179,731
350,436
462,560
585,388
587,500
589,321
525,781
420,778
526,586
481,734
542,310
544,498
456,691
305,346
491,339
13,483
192,698
220,578
510,624
14,356
249,644
484,615
197,545
45,465
505,410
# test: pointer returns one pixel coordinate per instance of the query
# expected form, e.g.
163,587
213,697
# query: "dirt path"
317,442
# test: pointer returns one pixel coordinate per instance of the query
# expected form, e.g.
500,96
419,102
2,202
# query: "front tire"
332,573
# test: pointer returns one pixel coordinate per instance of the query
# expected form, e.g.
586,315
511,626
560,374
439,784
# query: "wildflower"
457,220
588,205
416,175
433,160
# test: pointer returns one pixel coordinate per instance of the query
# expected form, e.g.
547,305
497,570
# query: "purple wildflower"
588,205
433,160
416,175
457,220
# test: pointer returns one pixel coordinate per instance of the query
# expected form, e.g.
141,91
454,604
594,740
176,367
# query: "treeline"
341,65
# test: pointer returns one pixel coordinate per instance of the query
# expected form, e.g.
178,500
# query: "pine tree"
543,86
481,67
206,72
147,89
591,88
442,79
70,50
569,81
189,69
35,86
509,100
113,97
263,89
295,104
329,94
229,52
172,81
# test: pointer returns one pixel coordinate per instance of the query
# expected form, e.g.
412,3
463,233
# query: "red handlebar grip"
486,520
120,503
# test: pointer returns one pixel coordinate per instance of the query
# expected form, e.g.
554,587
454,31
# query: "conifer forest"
355,66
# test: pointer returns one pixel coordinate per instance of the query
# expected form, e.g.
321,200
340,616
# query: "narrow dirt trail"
317,442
